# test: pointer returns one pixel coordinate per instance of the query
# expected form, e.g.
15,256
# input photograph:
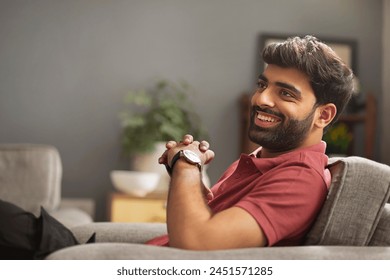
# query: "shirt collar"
265,164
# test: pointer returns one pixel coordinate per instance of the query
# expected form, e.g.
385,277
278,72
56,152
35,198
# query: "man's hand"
188,143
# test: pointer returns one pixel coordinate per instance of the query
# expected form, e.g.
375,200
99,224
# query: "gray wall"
66,65
385,151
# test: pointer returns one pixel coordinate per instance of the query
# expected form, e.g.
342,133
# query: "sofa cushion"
359,190
123,251
119,232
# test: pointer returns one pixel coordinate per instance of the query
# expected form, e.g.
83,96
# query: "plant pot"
148,162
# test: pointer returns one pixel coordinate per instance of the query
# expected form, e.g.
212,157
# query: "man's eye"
285,93
261,85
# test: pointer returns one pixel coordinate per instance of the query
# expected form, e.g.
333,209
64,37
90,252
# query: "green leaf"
161,113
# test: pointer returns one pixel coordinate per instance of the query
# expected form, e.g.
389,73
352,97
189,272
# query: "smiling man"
284,108
272,196
268,198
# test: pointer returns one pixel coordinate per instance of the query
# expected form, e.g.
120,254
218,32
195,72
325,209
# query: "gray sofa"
30,177
354,223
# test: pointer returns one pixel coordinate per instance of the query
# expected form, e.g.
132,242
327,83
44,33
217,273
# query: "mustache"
267,111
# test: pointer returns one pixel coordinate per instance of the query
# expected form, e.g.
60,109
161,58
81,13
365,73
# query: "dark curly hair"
330,78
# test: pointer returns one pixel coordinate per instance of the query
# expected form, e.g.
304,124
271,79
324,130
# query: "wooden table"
127,208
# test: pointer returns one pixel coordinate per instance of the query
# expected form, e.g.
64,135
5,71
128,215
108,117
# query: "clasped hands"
200,148
188,143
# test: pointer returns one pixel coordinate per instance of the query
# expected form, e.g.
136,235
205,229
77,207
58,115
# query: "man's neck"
265,153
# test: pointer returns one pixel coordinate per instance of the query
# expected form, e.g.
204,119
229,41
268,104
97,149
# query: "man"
268,198
272,196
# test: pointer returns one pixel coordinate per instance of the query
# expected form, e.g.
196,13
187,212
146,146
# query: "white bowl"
134,182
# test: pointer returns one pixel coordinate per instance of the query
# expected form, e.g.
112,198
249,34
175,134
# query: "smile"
267,118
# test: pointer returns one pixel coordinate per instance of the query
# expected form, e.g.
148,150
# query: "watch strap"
174,159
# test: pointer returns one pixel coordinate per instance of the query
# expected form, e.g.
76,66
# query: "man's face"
283,109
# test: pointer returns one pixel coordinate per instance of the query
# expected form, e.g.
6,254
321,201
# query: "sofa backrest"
381,235
30,176
356,201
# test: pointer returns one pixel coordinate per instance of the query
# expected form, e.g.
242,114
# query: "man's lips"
265,120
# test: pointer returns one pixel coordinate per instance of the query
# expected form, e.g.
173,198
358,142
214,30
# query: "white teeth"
266,118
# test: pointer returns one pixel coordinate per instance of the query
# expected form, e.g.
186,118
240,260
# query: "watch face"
191,156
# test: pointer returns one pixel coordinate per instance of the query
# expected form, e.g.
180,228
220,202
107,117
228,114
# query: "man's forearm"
187,211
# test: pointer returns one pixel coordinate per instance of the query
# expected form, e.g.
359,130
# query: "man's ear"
326,114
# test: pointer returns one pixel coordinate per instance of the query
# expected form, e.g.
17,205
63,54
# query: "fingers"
188,139
163,159
204,146
170,144
209,154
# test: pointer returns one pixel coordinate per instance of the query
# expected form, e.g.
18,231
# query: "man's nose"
263,98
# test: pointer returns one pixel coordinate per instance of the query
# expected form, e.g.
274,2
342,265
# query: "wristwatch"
189,156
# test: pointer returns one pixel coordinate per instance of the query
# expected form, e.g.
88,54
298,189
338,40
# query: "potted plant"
154,116
162,113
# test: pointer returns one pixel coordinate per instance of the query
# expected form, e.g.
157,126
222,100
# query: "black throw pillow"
23,236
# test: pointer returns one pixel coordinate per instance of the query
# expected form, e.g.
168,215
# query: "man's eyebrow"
283,85
290,87
262,77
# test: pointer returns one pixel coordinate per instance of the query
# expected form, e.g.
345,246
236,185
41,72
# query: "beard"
285,136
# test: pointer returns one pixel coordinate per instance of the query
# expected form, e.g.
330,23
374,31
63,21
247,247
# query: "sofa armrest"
85,204
119,232
71,217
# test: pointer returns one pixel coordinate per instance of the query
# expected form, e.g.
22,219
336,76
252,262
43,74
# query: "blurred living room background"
66,66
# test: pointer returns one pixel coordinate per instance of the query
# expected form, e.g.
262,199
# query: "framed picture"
345,48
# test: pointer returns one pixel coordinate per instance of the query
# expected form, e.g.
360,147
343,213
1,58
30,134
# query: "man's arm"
191,223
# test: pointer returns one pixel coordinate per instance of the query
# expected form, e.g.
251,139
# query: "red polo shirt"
283,194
